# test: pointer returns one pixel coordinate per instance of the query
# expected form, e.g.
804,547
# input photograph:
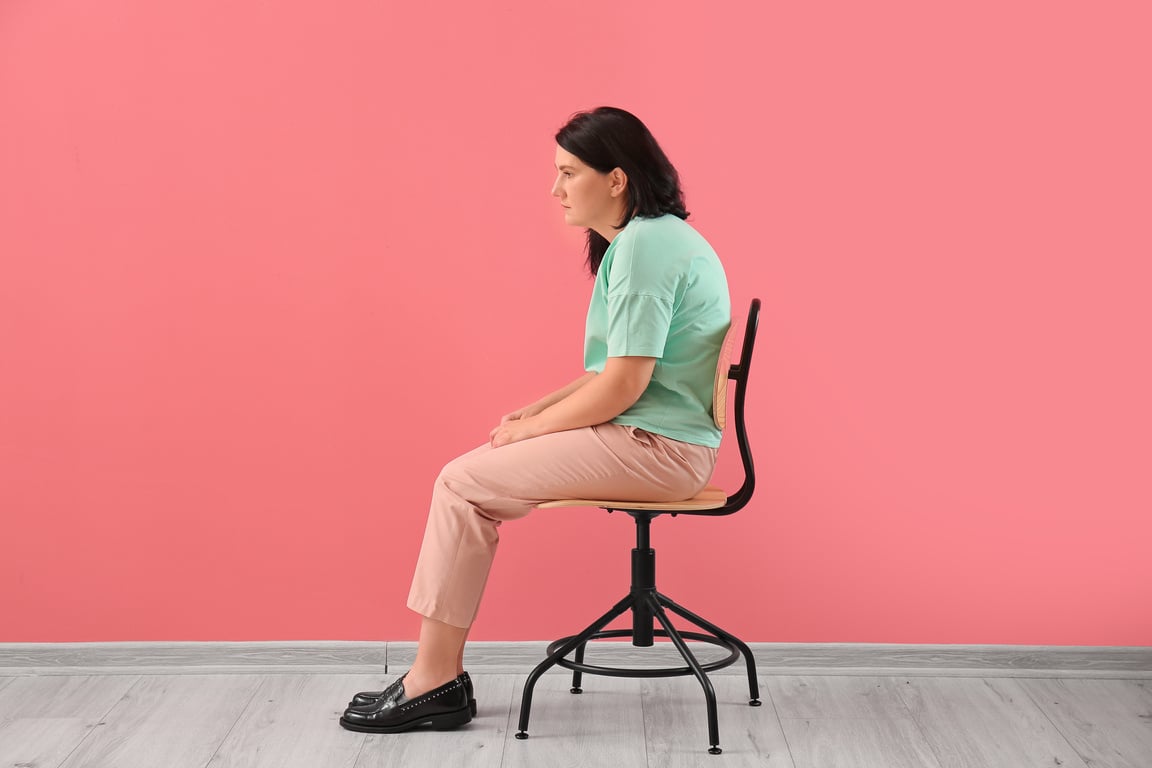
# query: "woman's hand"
522,413
591,399
512,429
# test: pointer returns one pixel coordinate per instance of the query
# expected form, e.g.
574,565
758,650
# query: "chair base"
652,603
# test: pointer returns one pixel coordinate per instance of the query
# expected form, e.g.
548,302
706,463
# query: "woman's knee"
466,480
454,477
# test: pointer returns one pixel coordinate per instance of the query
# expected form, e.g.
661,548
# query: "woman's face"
590,199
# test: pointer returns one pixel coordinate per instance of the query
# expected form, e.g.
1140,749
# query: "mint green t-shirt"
661,292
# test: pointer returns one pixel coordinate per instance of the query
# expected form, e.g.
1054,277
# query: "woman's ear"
617,182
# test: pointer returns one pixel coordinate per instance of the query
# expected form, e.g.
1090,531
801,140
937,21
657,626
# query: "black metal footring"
579,667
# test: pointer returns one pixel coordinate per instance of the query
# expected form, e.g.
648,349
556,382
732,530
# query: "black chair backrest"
738,372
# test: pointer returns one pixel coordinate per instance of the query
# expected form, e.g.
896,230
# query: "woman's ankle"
419,682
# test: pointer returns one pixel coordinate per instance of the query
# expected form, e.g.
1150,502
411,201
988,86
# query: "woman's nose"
556,187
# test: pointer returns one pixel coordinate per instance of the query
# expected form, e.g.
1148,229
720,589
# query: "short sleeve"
641,291
638,325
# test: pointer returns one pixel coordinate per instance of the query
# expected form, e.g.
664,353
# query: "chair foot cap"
576,690
715,751
754,703
522,735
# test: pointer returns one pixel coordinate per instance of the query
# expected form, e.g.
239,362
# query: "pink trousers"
476,492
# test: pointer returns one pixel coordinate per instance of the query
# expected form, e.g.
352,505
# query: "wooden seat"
709,498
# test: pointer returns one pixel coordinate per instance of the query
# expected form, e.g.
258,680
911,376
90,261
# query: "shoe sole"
442,722
354,703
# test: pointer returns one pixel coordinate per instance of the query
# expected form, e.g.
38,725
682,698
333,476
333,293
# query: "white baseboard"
519,658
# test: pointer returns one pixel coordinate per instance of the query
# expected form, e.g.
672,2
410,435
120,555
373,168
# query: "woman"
636,426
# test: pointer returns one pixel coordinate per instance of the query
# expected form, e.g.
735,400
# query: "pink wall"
266,266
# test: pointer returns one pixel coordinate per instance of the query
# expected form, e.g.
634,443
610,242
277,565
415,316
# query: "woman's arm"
597,399
547,400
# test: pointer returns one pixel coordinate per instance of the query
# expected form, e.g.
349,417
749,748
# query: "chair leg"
705,683
577,675
578,641
753,685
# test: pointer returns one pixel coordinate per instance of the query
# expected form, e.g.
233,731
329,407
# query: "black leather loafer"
441,708
365,698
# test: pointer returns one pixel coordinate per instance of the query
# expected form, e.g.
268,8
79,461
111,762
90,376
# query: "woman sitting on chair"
636,426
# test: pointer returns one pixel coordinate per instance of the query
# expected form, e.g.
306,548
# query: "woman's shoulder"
659,228
666,223
666,234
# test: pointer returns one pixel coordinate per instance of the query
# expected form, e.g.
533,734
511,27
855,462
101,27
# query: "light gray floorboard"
42,719
1108,722
175,721
854,722
978,723
212,721
602,726
861,743
292,722
676,724
480,744
808,698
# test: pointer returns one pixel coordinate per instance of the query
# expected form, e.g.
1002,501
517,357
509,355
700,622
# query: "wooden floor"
817,721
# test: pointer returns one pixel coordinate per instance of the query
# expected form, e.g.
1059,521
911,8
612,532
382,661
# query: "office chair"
643,599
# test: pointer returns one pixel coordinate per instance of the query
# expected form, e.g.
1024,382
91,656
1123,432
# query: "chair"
643,599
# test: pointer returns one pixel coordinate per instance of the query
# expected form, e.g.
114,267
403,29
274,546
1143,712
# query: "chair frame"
648,604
